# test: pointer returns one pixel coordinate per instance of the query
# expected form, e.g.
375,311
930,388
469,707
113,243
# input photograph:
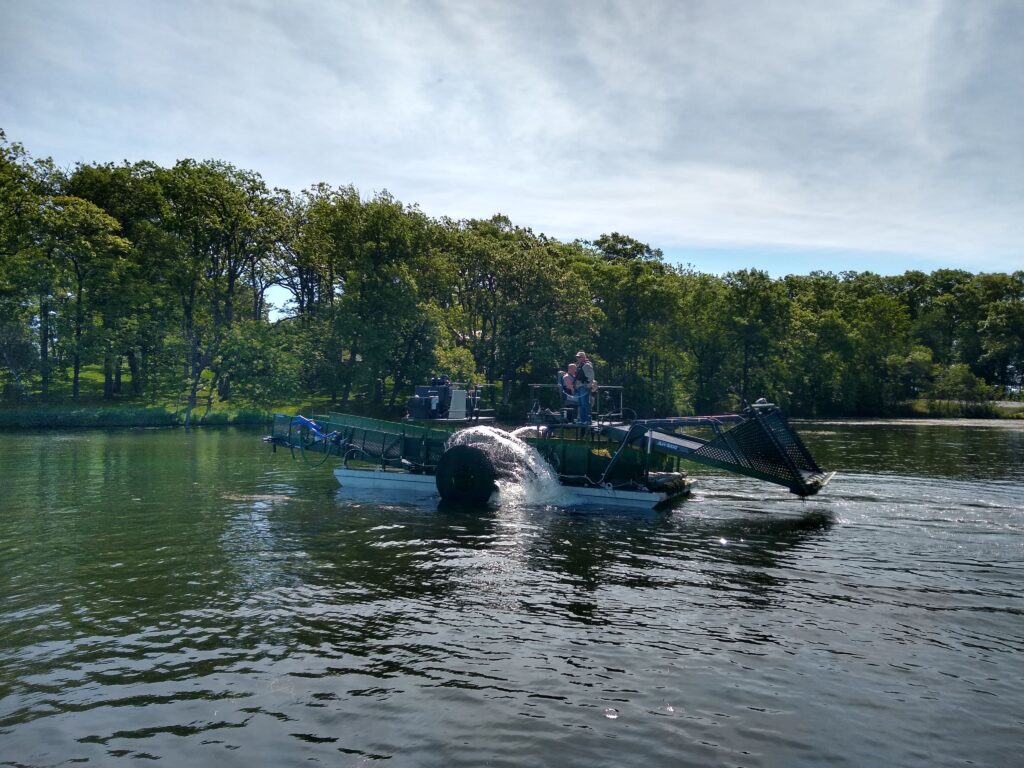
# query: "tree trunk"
348,379
77,357
18,387
77,369
108,375
194,371
134,367
190,403
744,390
257,292
44,347
399,375
224,388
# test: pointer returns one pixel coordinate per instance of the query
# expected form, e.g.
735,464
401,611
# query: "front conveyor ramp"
761,445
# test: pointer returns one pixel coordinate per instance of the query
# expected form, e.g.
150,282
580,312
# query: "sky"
788,136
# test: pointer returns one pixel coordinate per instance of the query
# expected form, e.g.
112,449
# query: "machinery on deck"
448,401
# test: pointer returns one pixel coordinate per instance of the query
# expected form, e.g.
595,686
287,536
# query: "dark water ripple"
193,599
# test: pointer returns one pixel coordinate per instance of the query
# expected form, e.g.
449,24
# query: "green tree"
82,244
378,251
19,206
1002,339
817,351
258,359
140,314
700,327
223,229
939,313
636,294
956,382
880,333
518,303
318,252
756,317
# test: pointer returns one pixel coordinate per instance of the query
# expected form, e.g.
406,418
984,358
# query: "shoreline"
127,416
120,416
1003,422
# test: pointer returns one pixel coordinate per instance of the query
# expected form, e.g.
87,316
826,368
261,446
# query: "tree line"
157,277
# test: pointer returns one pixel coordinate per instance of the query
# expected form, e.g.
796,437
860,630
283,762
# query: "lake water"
194,598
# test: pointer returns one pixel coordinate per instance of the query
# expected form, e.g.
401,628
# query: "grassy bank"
956,409
81,416
93,412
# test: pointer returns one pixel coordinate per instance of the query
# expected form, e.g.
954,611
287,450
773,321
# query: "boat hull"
407,486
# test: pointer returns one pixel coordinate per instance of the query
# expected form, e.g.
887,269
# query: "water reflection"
423,557
591,553
183,597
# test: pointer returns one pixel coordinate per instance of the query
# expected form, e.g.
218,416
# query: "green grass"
956,409
76,416
91,410
81,415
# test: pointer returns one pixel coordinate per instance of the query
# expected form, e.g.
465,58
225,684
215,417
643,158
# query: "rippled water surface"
193,598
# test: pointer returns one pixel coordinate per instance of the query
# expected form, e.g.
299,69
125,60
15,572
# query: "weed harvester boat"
612,462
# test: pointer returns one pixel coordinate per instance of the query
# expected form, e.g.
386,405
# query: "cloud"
874,127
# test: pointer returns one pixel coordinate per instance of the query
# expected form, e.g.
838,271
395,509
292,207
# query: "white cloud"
876,127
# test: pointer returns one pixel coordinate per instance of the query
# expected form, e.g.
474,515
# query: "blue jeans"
584,396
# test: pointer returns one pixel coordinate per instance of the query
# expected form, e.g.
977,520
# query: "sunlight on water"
524,477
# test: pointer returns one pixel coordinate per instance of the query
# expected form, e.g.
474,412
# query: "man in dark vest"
585,385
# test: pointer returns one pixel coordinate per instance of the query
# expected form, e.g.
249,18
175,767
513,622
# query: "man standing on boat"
568,382
585,384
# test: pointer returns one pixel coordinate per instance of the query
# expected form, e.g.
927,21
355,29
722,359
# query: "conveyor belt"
761,445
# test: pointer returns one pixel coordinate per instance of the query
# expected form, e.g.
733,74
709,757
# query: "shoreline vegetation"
105,416
141,294
126,415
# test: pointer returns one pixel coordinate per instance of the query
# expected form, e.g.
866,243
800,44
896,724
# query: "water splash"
524,477
529,431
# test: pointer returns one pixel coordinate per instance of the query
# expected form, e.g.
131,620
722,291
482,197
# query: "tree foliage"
157,277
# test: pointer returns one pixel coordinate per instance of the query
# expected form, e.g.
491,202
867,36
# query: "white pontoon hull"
418,487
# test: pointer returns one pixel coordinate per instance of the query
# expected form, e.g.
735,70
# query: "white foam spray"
524,477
